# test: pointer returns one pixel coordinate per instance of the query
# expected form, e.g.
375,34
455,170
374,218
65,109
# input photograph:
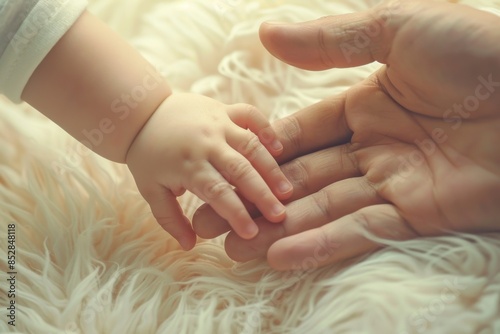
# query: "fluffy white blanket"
90,258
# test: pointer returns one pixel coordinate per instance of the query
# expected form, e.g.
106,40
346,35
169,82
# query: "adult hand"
411,150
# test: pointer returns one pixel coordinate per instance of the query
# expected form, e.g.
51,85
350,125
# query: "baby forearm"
97,88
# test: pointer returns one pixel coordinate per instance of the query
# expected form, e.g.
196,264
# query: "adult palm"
412,149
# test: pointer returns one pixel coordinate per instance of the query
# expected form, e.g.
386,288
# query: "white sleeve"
28,31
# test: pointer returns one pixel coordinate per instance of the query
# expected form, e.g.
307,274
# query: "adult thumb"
334,41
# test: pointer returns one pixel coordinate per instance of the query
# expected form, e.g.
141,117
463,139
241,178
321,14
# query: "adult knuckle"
325,242
368,220
362,218
322,38
292,132
323,202
382,17
296,172
348,158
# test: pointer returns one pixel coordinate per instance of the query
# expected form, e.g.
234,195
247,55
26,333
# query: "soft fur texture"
90,258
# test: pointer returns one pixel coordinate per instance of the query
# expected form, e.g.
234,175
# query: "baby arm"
85,73
171,142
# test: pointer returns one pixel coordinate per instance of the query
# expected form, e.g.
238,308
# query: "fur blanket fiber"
91,259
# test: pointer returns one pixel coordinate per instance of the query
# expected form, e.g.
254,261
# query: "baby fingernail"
285,186
278,209
251,230
276,145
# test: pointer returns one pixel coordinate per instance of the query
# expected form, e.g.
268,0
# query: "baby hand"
196,143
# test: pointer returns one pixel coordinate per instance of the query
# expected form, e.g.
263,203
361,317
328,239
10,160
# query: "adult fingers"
313,128
168,214
334,41
329,204
313,172
208,224
349,236
308,174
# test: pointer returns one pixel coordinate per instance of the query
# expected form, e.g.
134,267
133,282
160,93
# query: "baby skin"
171,142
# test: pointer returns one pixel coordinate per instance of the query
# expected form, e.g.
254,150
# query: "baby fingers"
210,185
249,117
264,165
169,215
252,174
